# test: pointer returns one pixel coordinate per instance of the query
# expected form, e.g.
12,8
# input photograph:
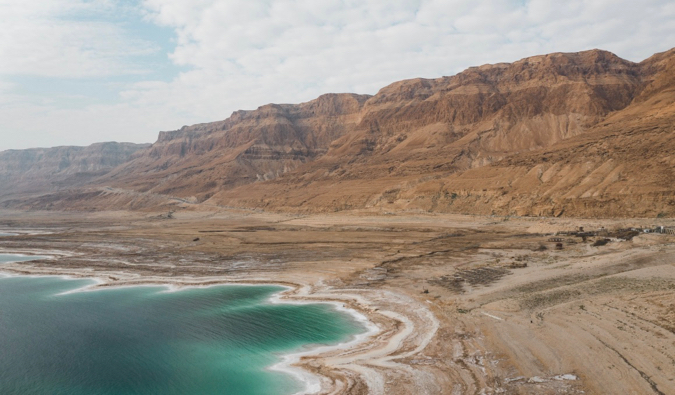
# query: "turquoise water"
144,340
4,258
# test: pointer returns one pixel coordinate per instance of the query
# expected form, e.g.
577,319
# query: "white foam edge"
46,254
286,365
89,287
311,381
22,232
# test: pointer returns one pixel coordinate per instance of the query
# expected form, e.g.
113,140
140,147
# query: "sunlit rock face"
580,134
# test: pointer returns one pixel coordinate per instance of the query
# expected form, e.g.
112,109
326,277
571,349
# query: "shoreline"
291,363
297,364
463,304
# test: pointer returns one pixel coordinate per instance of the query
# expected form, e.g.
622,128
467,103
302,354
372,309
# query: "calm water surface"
144,340
4,258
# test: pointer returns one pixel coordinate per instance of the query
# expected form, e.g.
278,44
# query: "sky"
75,72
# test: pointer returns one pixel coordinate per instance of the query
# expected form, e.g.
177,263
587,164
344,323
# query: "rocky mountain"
41,170
576,134
562,134
250,146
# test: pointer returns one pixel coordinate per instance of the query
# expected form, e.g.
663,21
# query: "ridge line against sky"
75,72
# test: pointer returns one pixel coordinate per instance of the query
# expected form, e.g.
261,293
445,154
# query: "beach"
455,304
66,335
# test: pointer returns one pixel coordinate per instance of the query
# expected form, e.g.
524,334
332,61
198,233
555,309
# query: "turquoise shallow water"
4,258
144,340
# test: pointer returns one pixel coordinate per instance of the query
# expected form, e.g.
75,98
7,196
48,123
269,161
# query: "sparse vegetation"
551,298
625,234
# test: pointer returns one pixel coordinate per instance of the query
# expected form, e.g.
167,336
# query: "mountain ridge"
465,143
40,170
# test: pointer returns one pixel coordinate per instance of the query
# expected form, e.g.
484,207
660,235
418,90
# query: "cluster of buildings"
620,233
657,229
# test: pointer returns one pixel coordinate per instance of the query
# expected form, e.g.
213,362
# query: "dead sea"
57,339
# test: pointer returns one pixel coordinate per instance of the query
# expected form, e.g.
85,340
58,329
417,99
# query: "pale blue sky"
75,72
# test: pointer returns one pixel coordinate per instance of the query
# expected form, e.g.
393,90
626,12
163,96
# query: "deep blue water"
145,340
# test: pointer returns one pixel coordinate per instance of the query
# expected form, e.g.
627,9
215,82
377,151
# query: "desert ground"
462,304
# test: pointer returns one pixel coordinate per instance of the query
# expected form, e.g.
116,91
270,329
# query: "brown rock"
574,134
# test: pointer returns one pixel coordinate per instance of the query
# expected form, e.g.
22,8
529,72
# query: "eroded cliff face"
556,134
623,166
251,146
40,170
409,128
562,134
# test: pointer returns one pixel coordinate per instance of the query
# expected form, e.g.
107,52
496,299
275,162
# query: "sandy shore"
458,304
326,369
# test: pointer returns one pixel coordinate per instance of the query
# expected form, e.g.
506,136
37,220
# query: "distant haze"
75,72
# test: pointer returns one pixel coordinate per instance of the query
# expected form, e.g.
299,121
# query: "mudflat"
462,304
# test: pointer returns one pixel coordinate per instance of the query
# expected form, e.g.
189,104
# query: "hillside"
250,146
40,170
584,134
575,134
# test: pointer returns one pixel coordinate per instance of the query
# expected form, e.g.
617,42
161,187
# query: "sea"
58,337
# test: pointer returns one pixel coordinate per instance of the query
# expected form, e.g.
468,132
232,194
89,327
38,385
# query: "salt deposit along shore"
457,304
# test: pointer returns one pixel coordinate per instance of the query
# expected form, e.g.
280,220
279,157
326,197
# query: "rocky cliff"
561,134
41,170
251,146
